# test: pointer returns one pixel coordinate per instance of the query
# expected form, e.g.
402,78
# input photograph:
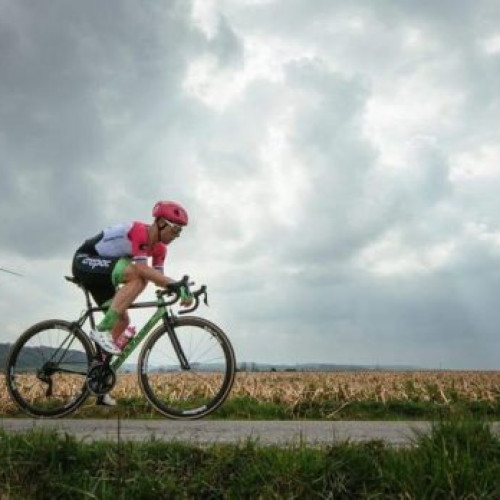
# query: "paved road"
218,431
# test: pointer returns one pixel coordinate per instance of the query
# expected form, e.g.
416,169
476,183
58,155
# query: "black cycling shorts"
94,272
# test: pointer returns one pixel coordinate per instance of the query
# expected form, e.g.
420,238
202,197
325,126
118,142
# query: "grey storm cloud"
75,81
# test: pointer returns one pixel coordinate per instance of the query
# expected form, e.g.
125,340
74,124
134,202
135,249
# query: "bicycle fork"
177,346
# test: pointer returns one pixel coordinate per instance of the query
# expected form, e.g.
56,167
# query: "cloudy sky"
340,162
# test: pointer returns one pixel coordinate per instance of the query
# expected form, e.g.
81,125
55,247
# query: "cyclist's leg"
132,285
102,276
120,325
96,275
116,318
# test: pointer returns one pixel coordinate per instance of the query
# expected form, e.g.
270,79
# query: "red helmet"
171,211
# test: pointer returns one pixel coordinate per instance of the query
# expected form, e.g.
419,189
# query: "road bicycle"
186,367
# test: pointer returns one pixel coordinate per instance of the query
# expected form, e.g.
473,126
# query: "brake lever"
203,291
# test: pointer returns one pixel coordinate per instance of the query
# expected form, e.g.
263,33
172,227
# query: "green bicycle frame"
137,339
160,313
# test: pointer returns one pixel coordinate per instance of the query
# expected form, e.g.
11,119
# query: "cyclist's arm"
150,274
159,279
138,237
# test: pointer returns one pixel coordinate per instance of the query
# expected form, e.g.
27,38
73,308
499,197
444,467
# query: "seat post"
88,300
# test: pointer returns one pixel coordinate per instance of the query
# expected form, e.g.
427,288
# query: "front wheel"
46,369
187,371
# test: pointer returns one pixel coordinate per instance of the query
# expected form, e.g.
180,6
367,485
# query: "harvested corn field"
290,388
443,387
333,391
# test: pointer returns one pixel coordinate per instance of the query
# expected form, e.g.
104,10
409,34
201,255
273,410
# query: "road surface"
222,431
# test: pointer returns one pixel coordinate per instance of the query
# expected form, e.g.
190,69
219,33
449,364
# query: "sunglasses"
175,228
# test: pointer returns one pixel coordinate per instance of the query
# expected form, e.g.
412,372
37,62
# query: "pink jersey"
130,240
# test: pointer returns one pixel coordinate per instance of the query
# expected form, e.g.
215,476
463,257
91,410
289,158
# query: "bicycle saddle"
73,280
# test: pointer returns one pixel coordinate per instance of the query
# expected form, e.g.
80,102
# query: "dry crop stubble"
292,388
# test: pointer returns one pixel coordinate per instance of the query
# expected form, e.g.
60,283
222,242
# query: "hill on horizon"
252,366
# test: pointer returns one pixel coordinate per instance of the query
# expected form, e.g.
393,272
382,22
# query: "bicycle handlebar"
174,288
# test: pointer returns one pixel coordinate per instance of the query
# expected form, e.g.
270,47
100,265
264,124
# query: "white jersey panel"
115,241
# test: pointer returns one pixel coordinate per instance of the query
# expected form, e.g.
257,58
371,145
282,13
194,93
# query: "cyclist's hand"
186,297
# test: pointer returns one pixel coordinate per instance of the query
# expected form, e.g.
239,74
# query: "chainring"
101,378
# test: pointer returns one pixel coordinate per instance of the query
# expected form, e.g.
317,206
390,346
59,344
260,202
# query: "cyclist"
113,266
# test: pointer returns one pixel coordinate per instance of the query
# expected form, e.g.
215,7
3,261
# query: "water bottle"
125,337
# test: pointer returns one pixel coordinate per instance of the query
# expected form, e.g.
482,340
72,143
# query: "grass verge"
458,459
244,408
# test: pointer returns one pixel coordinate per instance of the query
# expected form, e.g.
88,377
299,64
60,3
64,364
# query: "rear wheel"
197,387
47,367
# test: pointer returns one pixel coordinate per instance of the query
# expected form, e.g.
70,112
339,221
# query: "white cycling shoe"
105,340
106,400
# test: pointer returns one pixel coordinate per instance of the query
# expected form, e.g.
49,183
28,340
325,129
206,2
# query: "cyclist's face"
169,231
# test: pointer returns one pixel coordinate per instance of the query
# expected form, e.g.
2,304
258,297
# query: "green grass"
252,409
459,459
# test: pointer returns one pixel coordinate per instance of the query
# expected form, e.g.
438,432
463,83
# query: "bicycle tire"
166,387
29,361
